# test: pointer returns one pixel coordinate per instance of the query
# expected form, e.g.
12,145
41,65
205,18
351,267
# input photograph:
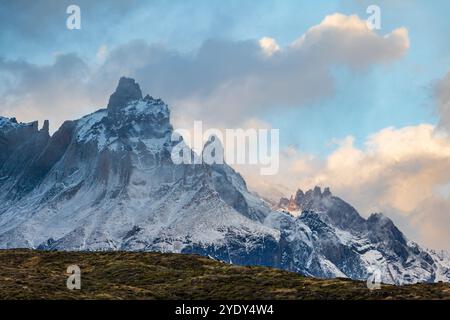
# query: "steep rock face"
21,144
107,182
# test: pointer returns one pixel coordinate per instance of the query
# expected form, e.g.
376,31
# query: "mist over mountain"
107,182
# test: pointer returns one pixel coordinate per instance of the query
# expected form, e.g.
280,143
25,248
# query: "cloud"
59,91
223,83
102,53
347,40
269,46
35,20
226,81
404,173
442,96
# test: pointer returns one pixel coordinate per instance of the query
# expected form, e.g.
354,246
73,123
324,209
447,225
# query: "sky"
366,112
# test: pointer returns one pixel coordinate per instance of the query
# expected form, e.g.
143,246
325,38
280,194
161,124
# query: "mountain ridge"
107,182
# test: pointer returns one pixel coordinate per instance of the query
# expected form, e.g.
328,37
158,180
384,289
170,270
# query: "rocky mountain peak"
128,118
6,123
46,127
317,192
331,208
283,203
127,91
299,195
312,194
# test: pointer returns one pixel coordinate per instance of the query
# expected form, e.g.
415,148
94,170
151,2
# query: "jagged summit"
331,208
130,122
10,123
316,192
127,91
46,127
15,132
303,200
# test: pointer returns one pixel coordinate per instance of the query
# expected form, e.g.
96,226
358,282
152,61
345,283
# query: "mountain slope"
107,182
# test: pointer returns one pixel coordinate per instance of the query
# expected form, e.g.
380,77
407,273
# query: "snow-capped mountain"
107,182
339,242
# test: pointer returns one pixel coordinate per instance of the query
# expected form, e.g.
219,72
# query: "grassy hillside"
26,274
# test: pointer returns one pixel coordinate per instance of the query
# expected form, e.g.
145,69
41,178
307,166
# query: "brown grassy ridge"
28,274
